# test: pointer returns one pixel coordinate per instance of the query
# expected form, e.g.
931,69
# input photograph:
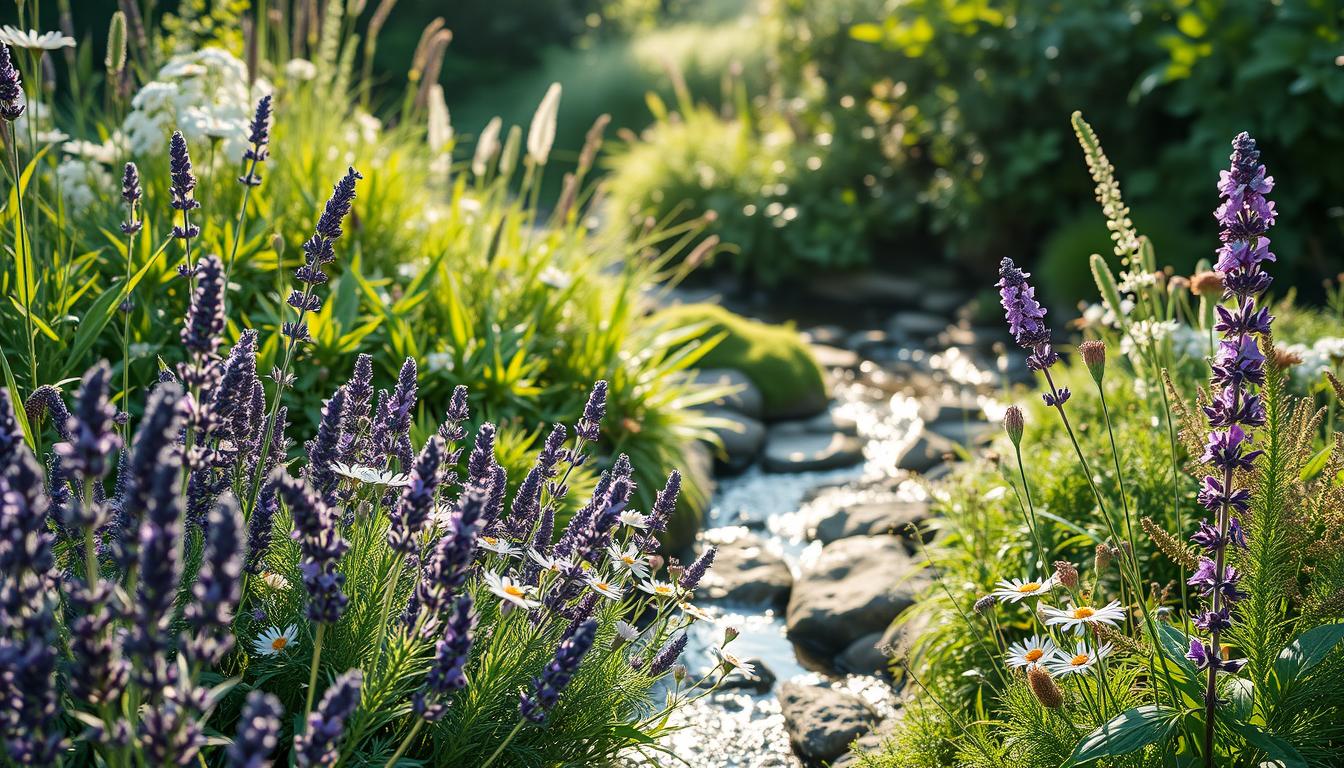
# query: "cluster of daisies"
1050,651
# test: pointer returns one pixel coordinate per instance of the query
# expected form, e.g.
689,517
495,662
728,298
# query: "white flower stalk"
487,146
541,134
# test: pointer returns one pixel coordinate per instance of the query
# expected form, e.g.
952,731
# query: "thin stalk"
405,743
389,591
500,749
312,674
238,226
1041,561
27,254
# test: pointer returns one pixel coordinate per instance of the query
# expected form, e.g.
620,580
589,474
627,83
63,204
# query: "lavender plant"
189,564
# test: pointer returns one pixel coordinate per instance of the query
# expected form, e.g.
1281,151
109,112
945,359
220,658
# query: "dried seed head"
1094,356
983,605
1012,424
1286,358
1207,283
1104,557
1178,283
1066,573
1044,687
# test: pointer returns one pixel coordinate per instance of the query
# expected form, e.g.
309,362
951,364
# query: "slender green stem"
1041,561
312,674
500,749
389,591
25,253
405,743
238,227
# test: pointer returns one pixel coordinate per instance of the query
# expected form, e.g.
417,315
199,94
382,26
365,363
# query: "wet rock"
869,742
744,571
742,439
795,451
892,290
926,452
856,587
866,342
954,409
917,325
871,519
835,357
942,302
824,334
822,722
864,656
967,433
830,421
747,400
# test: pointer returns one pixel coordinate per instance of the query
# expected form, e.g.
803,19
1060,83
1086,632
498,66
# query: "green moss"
774,357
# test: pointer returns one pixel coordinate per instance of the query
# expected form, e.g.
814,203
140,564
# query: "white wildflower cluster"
204,94
80,182
1145,333
1325,355
1133,282
1100,315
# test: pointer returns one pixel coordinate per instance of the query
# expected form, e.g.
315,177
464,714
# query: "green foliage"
776,360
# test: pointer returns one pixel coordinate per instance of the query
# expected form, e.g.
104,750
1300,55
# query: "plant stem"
1041,560
405,743
238,227
24,258
500,749
312,674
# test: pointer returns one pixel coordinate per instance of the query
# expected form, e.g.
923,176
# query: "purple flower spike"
258,732
11,87
319,743
547,687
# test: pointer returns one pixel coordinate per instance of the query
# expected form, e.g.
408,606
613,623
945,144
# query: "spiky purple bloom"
258,732
183,184
319,743
217,588
547,687
258,138
667,656
408,517
356,446
158,432
690,578
1238,370
324,450
103,672
318,249
259,526
131,194
46,400
664,505
1026,322
205,316
320,546
458,412
590,426
93,438
481,460
160,570
449,563
401,409
12,101
526,506
446,672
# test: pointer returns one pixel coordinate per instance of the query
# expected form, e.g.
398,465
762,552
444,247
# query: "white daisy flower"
1079,617
498,546
1032,651
1082,660
658,588
630,559
604,587
634,519
1013,590
274,581
731,662
511,591
274,640
32,40
695,612
371,476
627,631
548,563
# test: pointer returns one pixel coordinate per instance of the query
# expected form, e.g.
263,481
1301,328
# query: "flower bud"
1066,573
679,672
983,605
1044,687
1178,283
1012,424
278,245
1094,357
1103,558
729,634
1208,283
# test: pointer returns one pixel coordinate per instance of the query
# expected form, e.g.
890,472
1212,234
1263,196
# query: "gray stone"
871,519
747,400
822,722
867,743
830,421
791,451
835,357
824,334
864,342
926,452
917,325
893,290
942,302
743,438
856,587
967,433
954,409
864,656
744,571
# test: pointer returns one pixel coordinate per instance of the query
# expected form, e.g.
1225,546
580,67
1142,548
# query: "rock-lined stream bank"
812,519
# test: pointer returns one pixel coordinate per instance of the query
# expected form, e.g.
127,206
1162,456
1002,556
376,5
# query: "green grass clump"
775,358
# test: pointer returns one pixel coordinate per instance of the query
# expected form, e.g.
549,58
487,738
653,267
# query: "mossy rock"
774,357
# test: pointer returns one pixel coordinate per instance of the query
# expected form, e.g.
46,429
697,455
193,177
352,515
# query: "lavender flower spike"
259,138
320,545
1237,373
446,675
667,656
1026,321
318,744
547,687
131,194
258,732
590,425
11,87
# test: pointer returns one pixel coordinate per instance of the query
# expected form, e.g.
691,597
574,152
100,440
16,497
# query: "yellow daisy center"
1029,587
628,560
513,591
1079,660
601,585
279,643
663,589
491,540
1083,613
1034,654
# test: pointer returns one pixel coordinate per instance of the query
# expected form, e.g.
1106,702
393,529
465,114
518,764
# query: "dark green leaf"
1281,754
1306,651
1127,732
